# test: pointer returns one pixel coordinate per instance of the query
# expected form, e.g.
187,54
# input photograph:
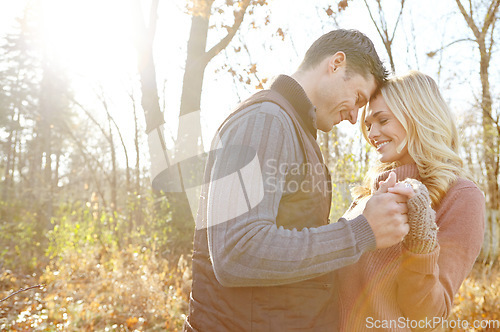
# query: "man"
264,249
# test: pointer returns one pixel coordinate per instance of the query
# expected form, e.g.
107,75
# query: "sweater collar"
402,172
297,97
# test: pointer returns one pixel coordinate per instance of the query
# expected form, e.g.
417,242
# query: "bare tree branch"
383,30
86,154
432,53
398,19
112,120
373,20
91,117
468,19
231,31
490,16
21,290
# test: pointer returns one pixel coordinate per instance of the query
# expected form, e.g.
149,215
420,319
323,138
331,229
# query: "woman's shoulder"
463,206
463,184
463,190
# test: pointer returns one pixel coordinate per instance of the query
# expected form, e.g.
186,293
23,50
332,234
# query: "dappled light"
107,114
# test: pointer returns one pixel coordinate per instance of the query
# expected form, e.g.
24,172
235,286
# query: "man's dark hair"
359,50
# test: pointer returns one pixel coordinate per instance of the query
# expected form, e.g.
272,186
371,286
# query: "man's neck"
306,80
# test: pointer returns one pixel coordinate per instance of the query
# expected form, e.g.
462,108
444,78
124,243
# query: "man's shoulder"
259,120
260,112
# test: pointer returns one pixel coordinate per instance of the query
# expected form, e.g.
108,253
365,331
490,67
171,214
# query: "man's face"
340,95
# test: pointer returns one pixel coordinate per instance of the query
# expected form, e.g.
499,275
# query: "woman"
411,285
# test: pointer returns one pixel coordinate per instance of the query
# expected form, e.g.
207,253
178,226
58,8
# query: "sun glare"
89,38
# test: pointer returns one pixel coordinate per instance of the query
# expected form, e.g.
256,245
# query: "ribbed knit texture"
422,237
402,173
251,250
296,95
395,284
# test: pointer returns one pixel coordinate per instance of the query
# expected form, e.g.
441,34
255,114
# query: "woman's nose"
373,132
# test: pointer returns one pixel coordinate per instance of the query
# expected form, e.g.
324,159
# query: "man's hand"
386,212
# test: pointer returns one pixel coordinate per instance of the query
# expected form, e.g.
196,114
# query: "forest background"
83,82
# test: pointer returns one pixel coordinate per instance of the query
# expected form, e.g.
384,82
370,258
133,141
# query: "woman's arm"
422,237
427,282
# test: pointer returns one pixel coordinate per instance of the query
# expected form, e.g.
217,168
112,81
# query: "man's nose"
353,115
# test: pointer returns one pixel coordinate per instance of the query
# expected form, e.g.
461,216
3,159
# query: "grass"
135,289
130,290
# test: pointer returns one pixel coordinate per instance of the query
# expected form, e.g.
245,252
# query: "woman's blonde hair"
431,133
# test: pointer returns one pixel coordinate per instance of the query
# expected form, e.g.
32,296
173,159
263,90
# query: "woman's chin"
385,159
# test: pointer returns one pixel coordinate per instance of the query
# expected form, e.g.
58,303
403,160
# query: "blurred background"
81,83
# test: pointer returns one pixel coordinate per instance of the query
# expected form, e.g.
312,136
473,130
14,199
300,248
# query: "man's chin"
325,129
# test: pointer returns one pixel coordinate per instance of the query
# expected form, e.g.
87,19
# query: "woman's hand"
404,188
422,237
387,214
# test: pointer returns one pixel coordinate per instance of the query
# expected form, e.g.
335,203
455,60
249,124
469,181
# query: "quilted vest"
303,306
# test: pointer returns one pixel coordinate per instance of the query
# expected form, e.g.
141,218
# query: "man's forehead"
370,86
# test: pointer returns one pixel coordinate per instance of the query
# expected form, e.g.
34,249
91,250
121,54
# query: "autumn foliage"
95,278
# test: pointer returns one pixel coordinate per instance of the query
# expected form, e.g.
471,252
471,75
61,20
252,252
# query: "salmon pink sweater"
393,289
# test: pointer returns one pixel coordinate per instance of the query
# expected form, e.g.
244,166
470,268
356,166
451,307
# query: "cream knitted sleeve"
422,237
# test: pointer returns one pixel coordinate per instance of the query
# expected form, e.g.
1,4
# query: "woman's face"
385,132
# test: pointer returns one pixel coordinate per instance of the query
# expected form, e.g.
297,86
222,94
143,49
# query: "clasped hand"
387,212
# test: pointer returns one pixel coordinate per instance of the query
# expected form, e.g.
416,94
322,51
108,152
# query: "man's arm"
250,250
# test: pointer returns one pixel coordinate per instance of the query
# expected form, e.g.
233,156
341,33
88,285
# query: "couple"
267,258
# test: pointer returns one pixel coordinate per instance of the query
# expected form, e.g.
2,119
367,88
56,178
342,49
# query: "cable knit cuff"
419,203
363,233
422,238
422,244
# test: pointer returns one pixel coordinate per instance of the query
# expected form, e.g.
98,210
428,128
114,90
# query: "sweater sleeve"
427,283
249,249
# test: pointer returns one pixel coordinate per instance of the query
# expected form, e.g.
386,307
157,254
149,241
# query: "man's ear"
336,61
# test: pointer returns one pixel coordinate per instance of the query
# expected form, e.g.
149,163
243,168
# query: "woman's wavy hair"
431,133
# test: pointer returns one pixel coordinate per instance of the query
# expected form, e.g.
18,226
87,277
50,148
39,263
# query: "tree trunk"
137,197
113,167
9,166
490,138
181,213
189,133
45,125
